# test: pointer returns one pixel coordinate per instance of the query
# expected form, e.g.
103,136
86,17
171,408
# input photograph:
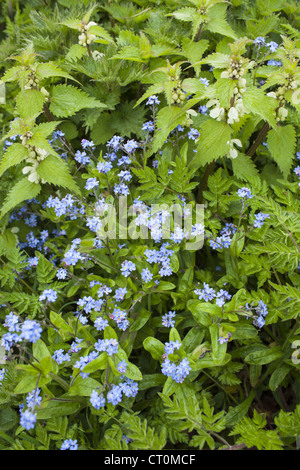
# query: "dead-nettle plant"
149,230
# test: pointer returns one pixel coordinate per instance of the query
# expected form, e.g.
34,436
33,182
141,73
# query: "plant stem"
203,185
259,140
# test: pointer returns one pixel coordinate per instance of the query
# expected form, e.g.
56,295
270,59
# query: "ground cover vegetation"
116,334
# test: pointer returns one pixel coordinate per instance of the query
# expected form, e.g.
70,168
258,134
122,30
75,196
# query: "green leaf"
99,363
84,387
142,319
40,350
265,356
49,69
184,14
203,312
66,100
218,349
217,21
278,376
30,102
54,408
8,419
235,414
282,145
212,143
155,347
237,243
244,167
133,372
258,103
151,380
63,328
45,270
22,191
56,171
14,155
30,382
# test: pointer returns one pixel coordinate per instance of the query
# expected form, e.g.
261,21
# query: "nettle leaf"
257,102
217,21
184,14
224,90
45,129
194,51
66,100
282,146
22,191
29,102
49,69
217,60
244,167
56,171
167,119
14,155
212,143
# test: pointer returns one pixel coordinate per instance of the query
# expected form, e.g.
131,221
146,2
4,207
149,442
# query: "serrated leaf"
22,191
15,154
212,143
282,144
258,103
66,100
29,102
56,172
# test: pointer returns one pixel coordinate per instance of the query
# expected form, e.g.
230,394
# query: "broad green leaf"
217,21
256,102
218,349
278,376
212,143
56,172
22,191
154,347
14,155
66,100
265,356
99,363
84,387
282,145
30,102
51,409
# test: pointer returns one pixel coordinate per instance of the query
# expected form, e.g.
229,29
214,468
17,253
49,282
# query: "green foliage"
185,109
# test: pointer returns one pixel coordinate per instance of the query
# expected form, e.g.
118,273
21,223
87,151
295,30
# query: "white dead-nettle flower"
188,121
281,114
41,154
97,55
31,171
217,113
233,116
240,107
296,97
86,38
25,138
225,74
33,177
233,153
45,93
242,84
236,112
